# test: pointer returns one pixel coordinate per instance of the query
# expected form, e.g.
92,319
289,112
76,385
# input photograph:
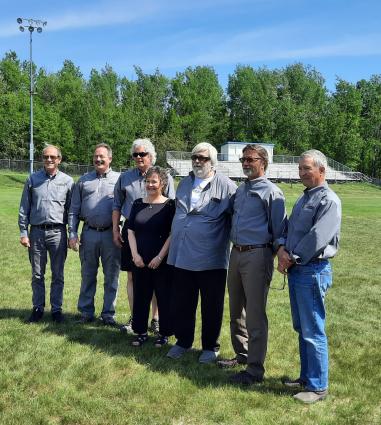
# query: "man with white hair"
312,239
129,187
199,252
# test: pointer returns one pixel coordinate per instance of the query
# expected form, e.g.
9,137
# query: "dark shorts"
126,263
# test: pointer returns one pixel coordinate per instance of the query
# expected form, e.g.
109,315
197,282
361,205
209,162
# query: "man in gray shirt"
92,202
312,238
44,206
259,221
199,253
130,187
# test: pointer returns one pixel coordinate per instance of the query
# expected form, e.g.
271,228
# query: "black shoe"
245,378
109,321
58,317
127,328
160,341
36,315
85,319
228,363
139,340
154,327
294,383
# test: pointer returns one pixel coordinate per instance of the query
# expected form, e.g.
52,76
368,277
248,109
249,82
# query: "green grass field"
72,374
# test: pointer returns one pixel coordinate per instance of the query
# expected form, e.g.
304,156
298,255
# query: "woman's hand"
138,261
155,262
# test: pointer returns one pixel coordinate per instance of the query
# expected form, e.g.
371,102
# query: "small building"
231,151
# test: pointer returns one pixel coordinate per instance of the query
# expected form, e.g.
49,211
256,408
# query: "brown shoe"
311,396
294,383
228,363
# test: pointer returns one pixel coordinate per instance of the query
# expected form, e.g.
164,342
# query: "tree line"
290,107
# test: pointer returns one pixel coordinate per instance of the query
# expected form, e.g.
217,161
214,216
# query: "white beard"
203,171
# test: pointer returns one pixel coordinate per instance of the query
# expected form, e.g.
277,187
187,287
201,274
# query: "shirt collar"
313,190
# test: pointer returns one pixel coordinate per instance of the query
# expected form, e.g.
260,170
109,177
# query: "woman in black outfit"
149,228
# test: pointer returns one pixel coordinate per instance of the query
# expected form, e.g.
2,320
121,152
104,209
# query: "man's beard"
202,171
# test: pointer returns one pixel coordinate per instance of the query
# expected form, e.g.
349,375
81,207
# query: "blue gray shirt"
200,236
314,225
130,186
92,201
45,199
259,213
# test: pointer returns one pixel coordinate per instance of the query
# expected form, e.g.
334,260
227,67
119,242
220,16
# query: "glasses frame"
200,158
249,159
52,157
140,154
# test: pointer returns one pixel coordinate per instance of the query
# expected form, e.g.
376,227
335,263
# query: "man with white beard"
199,253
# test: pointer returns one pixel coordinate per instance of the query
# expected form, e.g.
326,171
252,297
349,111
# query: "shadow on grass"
111,341
20,180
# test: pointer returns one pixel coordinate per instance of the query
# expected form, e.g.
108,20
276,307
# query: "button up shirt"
200,236
130,186
259,213
92,201
45,199
314,225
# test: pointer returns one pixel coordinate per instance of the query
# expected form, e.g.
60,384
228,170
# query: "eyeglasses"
248,159
200,158
141,154
52,157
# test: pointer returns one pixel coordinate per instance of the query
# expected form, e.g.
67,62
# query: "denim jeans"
308,286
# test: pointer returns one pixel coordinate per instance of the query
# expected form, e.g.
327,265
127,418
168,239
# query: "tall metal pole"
31,26
31,145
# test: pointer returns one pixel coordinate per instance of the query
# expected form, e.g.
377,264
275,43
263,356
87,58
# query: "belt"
243,248
318,260
99,229
48,226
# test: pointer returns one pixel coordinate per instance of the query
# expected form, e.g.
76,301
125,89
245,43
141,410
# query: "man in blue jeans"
312,238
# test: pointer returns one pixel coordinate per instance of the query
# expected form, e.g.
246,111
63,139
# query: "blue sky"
340,38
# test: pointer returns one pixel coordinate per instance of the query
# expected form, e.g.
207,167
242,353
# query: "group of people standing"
179,246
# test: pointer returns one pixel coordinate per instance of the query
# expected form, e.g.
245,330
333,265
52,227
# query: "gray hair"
106,146
161,172
47,146
212,151
147,145
319,159
260,150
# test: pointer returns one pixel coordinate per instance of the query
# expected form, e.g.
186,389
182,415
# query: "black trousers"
147,281
187,285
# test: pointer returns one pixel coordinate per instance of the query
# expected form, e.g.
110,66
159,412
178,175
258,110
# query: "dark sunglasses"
248,159
141,154
52,157
200,158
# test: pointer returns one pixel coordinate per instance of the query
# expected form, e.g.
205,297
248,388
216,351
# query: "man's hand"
284,260
117,238
74,244
24,240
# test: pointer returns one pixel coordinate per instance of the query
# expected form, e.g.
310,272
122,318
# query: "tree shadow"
114,343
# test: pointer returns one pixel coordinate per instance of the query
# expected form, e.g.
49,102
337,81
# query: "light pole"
31,26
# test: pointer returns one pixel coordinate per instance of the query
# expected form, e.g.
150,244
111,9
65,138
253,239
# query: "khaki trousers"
249,278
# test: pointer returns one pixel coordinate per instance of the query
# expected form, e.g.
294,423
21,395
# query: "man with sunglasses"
92,202
129,187
44,207
258,223
199,252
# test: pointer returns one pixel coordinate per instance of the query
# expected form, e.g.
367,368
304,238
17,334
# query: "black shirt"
152,226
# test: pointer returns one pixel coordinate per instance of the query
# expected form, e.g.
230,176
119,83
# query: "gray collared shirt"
259,213
92,201
45,199
314,225
200,236
130,186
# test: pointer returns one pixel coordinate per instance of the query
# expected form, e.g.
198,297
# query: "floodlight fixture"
33,24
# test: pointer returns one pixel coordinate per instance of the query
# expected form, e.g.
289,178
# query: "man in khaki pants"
258,223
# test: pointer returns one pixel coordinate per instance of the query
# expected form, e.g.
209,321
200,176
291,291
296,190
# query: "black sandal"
160,341
139,340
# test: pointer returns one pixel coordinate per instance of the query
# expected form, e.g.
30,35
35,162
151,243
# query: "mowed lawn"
72,374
